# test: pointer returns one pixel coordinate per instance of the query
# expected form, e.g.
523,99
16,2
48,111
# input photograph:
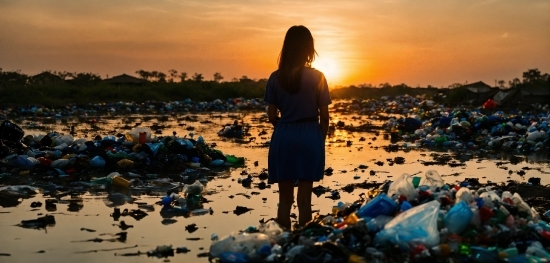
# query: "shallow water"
66,241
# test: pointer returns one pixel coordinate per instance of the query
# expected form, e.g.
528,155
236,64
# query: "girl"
297,149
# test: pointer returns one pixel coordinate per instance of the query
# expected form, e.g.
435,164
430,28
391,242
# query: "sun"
329,67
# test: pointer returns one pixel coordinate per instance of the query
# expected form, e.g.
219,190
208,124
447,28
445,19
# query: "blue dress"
297,148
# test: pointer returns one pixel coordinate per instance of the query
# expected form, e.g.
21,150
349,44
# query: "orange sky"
396,41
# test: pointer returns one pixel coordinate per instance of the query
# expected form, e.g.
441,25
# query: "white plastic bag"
272,229
417,224
193,189
403,186
244,243
134,133
432,179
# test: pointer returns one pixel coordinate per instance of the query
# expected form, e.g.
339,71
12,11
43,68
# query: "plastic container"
120,181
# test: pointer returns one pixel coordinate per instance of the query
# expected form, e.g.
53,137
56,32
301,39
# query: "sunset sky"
416,42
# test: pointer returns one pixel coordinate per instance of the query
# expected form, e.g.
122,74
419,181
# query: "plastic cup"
142,137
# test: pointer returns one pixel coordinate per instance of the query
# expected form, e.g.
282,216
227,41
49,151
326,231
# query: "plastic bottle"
235,160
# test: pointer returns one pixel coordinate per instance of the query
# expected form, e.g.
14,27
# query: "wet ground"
86,231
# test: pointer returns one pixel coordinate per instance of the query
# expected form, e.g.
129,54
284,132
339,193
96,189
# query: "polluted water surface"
131,214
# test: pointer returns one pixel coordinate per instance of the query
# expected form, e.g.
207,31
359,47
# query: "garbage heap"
61,155
186,105
413,220
472,129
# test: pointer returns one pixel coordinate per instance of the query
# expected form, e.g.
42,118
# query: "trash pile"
235,130
413,219
186,105
56,155
472,129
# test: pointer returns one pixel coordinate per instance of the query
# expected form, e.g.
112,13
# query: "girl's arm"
272,114
324,120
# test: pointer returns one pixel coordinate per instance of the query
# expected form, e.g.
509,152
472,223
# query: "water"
67,242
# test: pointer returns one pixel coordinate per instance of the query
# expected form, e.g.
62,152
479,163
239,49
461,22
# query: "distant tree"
173,74
546,77
531,76
15,78
183,76
154,75
63,74
197,77
501,84
245,79
145,75
85,79
384,85
455,85
514,83
161,77
234,80
218,77
366,85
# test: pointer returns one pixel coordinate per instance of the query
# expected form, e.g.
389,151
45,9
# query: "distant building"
524,97
124,80
478,92
532,95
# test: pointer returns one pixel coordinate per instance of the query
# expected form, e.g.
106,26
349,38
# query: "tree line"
62,87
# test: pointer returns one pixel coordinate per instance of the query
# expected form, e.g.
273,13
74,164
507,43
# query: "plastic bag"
458,218
464,194
60,163
67,139
416,224
193,189
97,162
154,147
403,186
432,179
22,162
272,229
524,207
380,205
33,160
245,243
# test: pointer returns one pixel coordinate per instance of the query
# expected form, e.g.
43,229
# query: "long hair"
298,52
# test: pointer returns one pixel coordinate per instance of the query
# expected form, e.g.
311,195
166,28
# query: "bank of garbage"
412,220
471,129
423,123
415,121
55,155
147,107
